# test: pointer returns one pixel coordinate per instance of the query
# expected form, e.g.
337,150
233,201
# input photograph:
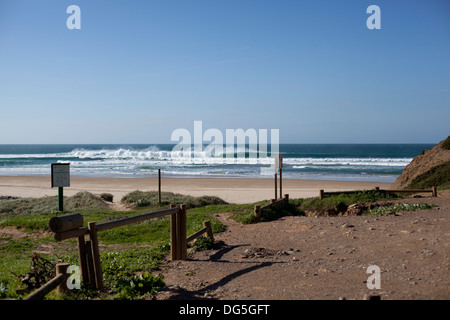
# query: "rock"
347,225
354,210
8,198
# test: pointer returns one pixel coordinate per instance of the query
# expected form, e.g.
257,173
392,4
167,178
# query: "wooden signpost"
159,186
279,165
60,179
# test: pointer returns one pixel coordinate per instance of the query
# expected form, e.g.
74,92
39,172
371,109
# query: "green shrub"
83,200
446,144
339,202
142,203
136,287
279,210
151,198
107,197
245,214
203,243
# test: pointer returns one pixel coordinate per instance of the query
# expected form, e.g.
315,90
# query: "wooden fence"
433,190
71,226
58,282
273,202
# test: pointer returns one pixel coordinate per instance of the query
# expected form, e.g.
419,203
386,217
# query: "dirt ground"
324,258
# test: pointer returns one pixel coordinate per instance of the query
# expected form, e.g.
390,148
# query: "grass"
335,204
438,176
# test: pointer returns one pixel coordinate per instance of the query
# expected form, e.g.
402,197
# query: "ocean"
344,162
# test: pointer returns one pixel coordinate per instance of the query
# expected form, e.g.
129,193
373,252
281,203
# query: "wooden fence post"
61,268
66,222
434,191
90,278
82,259
286,197
159,186
173,235
95,256
321,194
257,212
209,233
276,189
182,242
281,182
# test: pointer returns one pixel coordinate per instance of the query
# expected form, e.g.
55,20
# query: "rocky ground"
296,258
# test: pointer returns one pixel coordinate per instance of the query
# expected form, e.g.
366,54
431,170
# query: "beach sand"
233,190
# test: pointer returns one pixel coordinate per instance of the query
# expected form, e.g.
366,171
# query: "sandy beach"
233,190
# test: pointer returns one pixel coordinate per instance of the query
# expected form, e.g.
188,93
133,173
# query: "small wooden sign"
60,175
278,162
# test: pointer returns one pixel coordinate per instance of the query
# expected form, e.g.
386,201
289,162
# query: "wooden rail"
433,190
273,202
88,250
58,282
60,236
206,229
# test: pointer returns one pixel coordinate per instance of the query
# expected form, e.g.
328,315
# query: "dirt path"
322,258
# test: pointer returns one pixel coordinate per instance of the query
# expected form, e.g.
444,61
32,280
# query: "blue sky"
138,70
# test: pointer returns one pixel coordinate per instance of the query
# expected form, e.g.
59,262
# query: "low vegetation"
34,213
245,213
340,202
382,210
438,176
140,199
